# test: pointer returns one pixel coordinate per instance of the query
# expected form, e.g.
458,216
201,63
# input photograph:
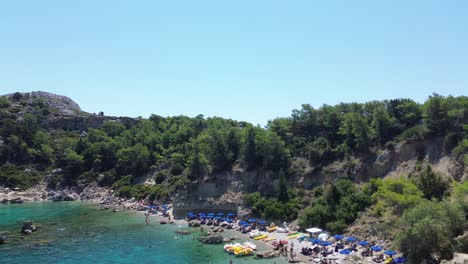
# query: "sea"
79,232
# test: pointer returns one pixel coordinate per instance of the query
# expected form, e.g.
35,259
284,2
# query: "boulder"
69,198
213,239
2,240
194,223
28,227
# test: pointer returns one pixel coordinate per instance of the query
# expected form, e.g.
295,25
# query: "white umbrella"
314,230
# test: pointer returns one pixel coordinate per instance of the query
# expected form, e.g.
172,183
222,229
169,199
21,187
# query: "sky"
246,60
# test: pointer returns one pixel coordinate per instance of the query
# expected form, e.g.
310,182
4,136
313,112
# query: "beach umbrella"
376,248
201,214
252,220
338,237
211,214
231,214
389,252
229,221
246,225
351,239
326,243
363,243
217,218
399,260
345,252
315,240
242,222
220,214
314,230
190,213
262,222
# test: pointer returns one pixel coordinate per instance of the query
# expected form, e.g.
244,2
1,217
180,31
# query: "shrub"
429,229
396,195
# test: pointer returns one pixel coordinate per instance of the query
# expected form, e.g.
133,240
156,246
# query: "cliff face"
403,159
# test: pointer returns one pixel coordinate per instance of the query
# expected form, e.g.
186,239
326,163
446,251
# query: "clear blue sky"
246,60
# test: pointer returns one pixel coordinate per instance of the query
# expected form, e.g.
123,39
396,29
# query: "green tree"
435,115
250,149
431,184
383,125
197,165
283,195
356,131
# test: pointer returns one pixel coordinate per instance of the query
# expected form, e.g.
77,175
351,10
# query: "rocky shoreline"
40,193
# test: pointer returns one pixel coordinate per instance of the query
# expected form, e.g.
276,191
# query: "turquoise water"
76,232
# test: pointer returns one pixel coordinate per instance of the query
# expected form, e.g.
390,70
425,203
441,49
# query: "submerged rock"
213,239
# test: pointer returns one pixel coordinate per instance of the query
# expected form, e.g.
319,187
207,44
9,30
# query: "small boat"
260,237
272,229
281,242
267,239
293,235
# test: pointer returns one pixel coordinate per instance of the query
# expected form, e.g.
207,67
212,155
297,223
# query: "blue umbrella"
363,243
229,221
190,213
246,225
345,252
399,260
211,214
242,222
217,218
338,237
252,220
376,248
315,240
201,213
220,214
230,214
390,252
326,243
351,239
262,222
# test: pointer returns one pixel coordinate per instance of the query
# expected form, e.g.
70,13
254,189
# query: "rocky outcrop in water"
28,228
212,239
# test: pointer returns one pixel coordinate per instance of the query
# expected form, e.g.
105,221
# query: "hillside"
326,167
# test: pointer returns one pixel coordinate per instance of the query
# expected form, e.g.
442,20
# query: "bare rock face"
63,105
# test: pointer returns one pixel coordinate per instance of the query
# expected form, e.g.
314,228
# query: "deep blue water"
76,232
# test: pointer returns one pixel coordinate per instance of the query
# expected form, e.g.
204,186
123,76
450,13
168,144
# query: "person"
146,217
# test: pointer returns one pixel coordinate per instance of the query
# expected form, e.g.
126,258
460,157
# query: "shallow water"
76,232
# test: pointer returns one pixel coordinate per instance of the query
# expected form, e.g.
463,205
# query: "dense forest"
180,150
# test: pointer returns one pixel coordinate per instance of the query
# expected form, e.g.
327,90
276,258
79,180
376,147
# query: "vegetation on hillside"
180,150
